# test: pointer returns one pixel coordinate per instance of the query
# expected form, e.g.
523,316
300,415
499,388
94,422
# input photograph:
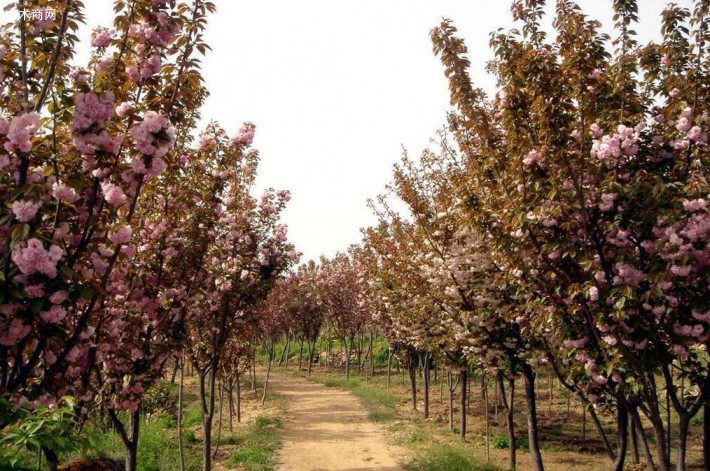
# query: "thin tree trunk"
584,422
484,389
252,374
219,419
372,354
622,435
451,387
602,433
175,369
181,451
52,459
348,352
311,352
706,433
413,379
510,409
230,399
207,408
633,440
462,406
425,380
389,367
134,420
683,427
533,438
239,399
268,372
645,448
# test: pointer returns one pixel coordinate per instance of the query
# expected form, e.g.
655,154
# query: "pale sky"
337,87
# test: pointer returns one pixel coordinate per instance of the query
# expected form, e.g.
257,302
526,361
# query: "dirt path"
327,429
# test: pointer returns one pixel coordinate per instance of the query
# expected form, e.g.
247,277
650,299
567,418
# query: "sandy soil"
328,429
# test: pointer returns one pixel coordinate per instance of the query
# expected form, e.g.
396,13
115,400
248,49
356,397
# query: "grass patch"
500,442
257,445
379,403
193,416
447,459
157,447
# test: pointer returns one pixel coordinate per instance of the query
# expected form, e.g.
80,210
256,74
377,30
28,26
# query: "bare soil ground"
328,429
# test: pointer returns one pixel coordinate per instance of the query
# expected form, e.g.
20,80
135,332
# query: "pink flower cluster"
121,236
532,157
156,30
113,194
31,257
628,275
14,332
101,37
624,143
62,192
154,135
20,131
24,210
245,136
54,315
92,111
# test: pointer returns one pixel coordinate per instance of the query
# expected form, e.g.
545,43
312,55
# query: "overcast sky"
337,87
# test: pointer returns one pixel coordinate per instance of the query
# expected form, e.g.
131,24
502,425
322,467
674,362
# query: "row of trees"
561,225
124,240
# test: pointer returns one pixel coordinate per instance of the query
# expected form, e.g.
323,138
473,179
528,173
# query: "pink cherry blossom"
31,257
15,331
101,37
694,205
25,211
62,192
54,315
245,136
121,236
113,194
154,135
20,132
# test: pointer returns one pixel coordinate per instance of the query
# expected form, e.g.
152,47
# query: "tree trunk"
602,433
134,420
650,465
348,352
52,459
300,355
450,385
533,438
311,351
239,399
219,419
181,451
389,367
706,433
230,399
268,372
510,409
633,440
175,370
462,406
683,426
484,389
207,385
660,436
372,354
253,373
412,367
425,380
622,434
